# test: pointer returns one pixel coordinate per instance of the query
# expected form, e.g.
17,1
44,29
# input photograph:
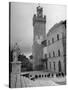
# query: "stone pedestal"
15,75
16,67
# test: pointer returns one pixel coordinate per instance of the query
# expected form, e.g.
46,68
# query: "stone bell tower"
39,35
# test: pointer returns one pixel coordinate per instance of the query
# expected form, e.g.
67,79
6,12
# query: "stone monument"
16,68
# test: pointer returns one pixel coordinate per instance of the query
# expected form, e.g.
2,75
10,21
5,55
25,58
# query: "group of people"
49,75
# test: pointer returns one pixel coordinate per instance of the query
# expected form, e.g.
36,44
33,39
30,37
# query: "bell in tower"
39,35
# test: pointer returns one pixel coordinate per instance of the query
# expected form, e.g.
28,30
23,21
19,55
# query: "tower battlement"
39,17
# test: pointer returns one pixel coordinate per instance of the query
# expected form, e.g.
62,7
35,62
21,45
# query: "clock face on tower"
39,39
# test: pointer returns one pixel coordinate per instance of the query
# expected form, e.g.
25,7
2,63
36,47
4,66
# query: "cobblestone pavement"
25,82
22,81
60,80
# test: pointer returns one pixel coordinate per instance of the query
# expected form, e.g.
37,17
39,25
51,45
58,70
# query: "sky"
22,22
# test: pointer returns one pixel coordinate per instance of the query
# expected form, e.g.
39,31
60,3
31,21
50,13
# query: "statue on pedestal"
16,65
16,52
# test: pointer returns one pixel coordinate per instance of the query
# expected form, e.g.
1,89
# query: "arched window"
59,67
57,36
54,65
50,65
58,52
52,40
49,55
53,54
